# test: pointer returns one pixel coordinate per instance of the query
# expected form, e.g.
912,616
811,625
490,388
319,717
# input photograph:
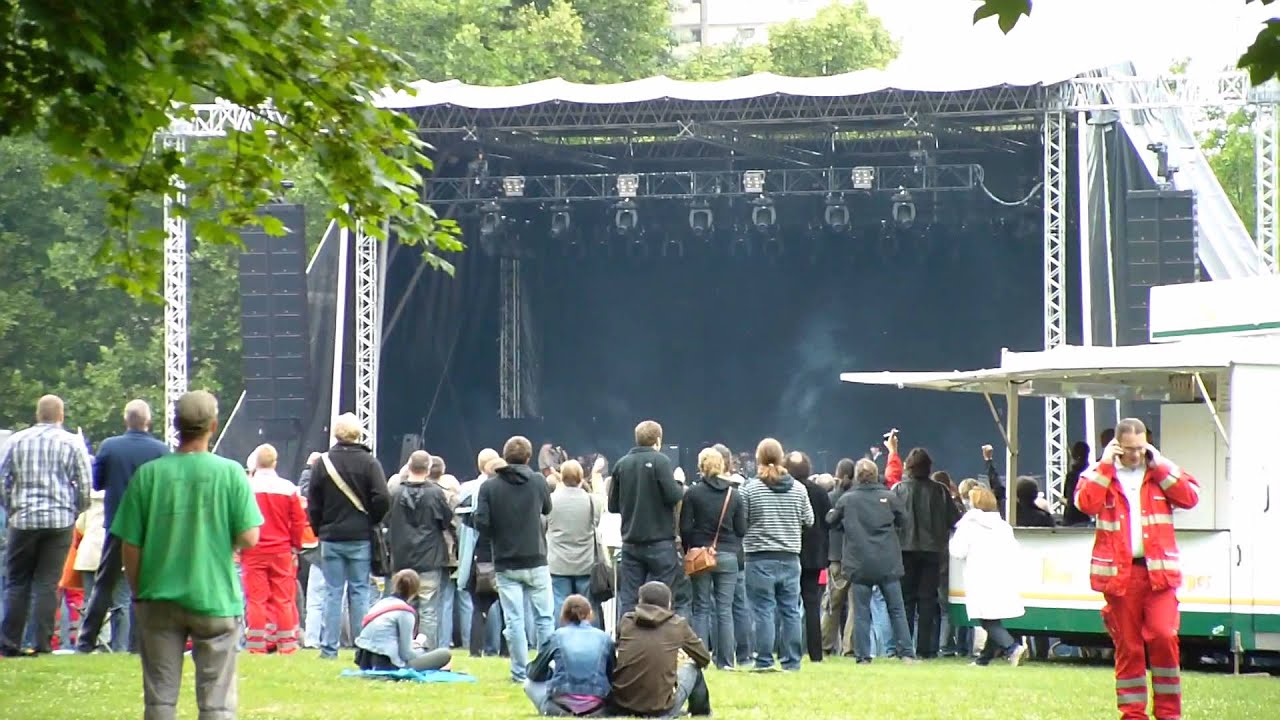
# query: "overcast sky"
1152,33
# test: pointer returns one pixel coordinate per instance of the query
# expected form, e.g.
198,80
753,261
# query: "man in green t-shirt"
180,522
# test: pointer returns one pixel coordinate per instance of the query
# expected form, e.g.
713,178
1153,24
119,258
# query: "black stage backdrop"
720,348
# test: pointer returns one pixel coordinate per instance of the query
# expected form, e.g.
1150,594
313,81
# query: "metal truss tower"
175,295
368,334
1268,184
1055,315
510,341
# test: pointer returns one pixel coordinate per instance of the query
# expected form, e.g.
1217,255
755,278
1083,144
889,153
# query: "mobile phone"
891,433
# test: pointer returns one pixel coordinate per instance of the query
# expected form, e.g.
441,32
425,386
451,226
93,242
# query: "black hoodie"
508,512
645,492
702,509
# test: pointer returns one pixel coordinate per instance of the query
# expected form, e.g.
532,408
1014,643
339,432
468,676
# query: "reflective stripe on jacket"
1098,494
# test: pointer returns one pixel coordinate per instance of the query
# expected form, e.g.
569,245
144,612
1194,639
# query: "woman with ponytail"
778,511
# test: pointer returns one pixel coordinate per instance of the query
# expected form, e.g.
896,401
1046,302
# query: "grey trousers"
163,629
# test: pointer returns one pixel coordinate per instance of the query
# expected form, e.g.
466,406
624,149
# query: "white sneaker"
1015,657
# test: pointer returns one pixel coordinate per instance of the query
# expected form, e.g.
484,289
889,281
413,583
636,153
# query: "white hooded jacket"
985,542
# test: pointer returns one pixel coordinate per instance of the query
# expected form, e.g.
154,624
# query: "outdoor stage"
714,255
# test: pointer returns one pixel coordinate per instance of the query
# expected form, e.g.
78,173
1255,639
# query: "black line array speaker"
273,318
1158,248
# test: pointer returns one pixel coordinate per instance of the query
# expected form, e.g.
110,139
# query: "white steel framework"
1055,315
368,334
175,295
1267,185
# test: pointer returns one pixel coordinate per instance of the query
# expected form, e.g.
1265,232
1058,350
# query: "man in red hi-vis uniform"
270,577
1132,491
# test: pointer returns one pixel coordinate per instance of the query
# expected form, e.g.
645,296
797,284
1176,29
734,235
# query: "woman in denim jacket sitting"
570,677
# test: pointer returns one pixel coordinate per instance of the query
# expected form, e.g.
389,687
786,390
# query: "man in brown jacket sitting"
660,660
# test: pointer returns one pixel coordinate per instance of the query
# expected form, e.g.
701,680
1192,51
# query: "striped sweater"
776,516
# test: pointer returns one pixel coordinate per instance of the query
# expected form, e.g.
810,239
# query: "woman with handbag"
713,520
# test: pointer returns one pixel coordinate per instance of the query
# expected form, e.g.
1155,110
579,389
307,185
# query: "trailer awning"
1139,372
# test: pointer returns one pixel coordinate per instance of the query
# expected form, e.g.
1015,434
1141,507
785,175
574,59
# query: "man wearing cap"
181,520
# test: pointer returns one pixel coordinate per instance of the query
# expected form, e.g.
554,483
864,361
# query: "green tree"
1262,59
97,80
840,38
1229,146
504,42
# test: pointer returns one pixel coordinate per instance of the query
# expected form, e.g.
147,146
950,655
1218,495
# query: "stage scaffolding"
764,126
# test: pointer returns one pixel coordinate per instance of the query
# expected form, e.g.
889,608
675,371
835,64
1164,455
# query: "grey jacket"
571,531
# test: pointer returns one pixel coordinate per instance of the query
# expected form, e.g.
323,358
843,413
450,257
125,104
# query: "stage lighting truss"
904,208
709,184
626,216
561,220
490,218
753,182
863,178
702,220
628,185
513,186
763,215
836,215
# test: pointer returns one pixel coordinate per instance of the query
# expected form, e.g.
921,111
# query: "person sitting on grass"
660,660
386,640
570,677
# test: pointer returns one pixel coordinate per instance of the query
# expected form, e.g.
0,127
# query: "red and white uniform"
270,577
1135,566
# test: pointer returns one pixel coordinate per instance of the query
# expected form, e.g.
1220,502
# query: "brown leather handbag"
703,559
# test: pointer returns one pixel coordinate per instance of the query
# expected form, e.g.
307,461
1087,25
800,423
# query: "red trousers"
271,592
1143,624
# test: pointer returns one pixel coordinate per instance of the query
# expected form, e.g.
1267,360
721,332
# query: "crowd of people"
725,570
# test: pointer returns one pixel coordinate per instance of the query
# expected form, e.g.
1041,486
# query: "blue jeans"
897,614
881,627
712,598
639,564
774,589
344,563
317,592
514,587
562,586
447,600
743,632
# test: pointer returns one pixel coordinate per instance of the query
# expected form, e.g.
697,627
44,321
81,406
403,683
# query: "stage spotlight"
763,215
1164,171
837,214
864,178
628,185
904,209
561,221
701,220
753,181
513,186
626,217
673,247
490,219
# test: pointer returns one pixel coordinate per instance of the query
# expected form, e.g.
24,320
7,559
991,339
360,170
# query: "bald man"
270,580
117,460
45,477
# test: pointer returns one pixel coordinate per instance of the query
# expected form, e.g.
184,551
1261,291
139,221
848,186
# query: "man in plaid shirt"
45,476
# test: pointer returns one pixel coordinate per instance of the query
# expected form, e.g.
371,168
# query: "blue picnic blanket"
422,676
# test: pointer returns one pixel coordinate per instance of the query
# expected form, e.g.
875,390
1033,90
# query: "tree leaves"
839,39
98,89
1006,12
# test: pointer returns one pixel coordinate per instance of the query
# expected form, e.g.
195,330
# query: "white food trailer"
1217,377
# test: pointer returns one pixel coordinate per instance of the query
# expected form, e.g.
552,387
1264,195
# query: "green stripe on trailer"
1216,330
1072,621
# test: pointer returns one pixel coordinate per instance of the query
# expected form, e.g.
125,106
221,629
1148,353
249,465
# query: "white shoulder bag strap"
342,484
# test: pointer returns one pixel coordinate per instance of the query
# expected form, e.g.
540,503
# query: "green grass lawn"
105,687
